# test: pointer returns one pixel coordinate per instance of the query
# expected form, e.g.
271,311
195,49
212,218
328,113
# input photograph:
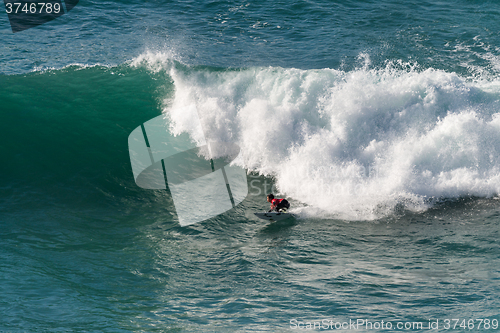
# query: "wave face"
354,145
64,139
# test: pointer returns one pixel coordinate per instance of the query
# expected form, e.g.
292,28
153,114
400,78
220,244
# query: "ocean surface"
379,121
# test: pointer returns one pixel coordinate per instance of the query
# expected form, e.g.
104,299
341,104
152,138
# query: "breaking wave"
353,144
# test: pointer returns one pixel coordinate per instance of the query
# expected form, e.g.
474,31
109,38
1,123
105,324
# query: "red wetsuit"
279,204
275,202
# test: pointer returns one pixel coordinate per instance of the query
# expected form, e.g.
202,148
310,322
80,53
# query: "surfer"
280,205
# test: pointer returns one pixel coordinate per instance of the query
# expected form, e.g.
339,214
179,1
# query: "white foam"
351,144
155,60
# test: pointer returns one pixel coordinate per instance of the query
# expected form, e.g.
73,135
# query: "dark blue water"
378,120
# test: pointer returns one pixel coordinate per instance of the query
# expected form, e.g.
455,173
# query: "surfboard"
273,216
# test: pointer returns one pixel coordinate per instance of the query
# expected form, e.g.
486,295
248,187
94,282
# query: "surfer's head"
270,197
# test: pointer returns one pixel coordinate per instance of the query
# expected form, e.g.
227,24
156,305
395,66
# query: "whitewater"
354,144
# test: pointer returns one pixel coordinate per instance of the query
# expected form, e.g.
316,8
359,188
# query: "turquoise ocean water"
378,120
